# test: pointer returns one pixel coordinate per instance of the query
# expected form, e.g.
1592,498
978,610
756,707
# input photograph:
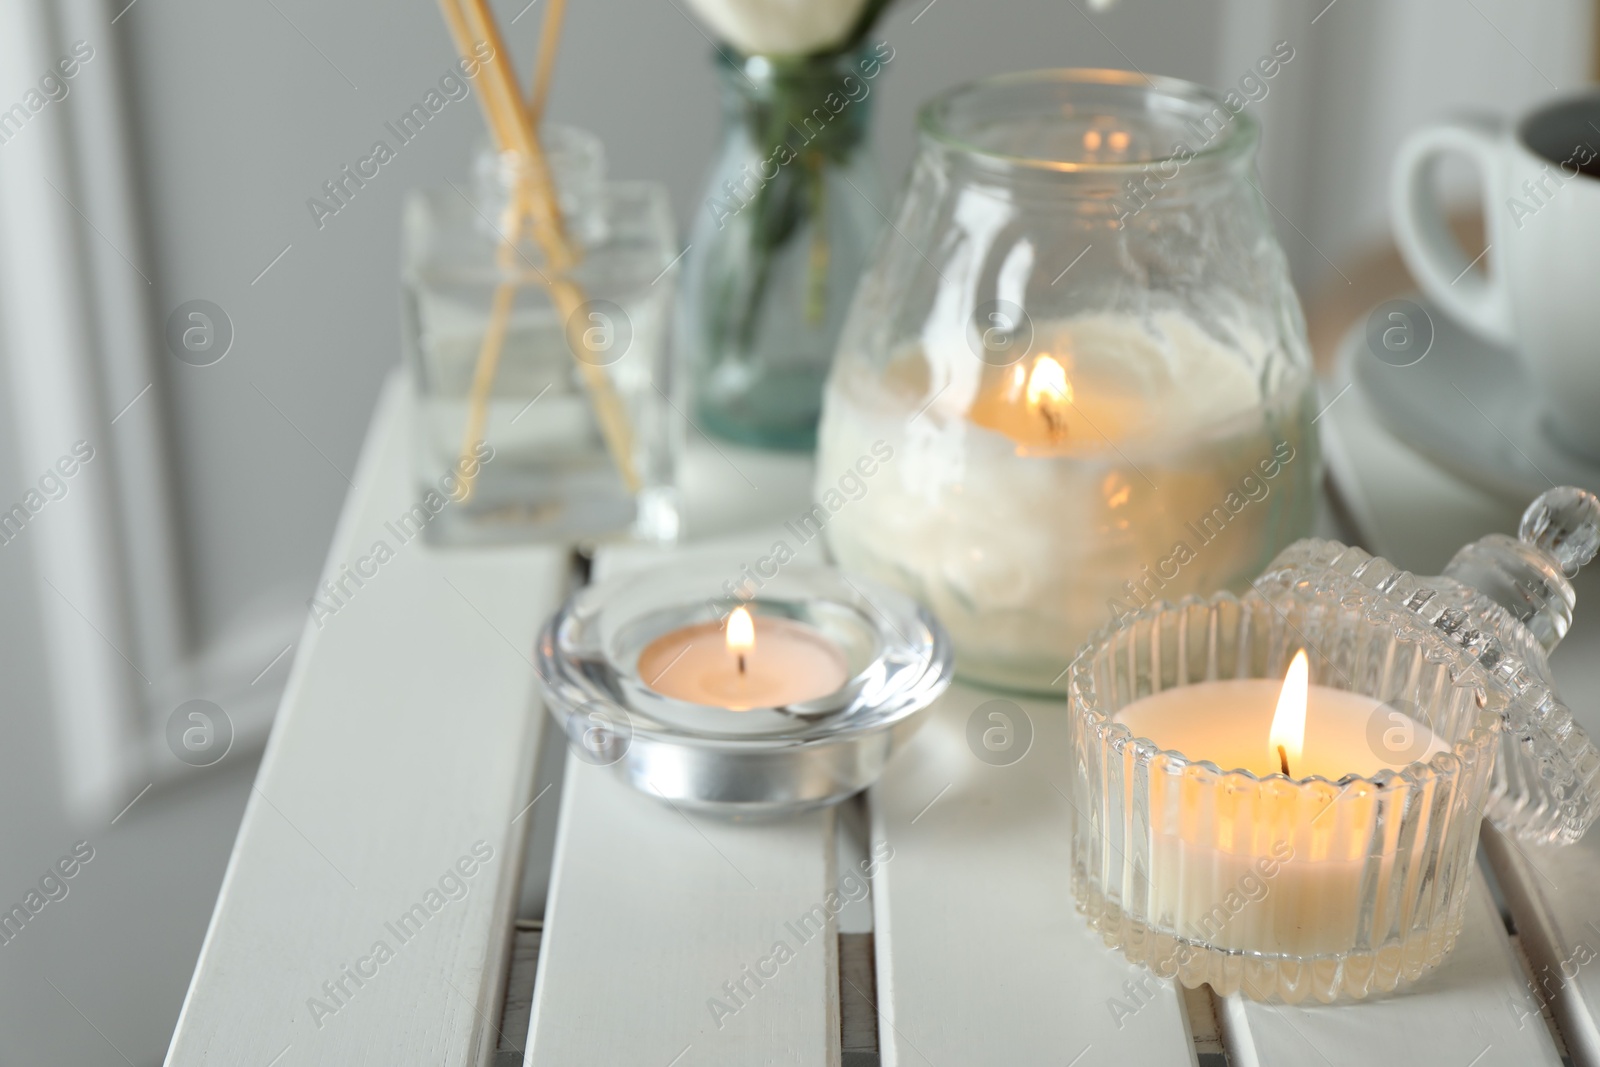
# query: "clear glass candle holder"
1080,348
741,761
1435,691
1280,888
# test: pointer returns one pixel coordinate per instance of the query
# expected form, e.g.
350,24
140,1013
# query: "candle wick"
741,664
1052,422
1283,760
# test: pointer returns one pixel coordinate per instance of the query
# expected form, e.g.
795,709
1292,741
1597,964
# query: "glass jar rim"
759,71
1086,705
581,664
1238,136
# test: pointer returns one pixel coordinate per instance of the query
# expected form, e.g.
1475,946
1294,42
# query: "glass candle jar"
1323,887
1311,835
1080,342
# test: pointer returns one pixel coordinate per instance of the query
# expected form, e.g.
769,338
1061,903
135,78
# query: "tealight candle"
747,662
796,700
1262,874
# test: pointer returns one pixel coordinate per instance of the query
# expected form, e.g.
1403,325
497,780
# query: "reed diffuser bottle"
536,302
533,430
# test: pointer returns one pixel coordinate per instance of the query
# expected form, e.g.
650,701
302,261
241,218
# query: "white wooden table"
423,877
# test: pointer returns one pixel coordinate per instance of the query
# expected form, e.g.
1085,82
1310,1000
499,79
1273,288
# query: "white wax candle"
1028,505
1228,722
784,662
1252,871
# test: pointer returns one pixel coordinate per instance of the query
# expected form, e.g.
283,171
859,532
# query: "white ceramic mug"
1540,294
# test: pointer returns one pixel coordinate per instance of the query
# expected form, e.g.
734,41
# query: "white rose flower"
780,27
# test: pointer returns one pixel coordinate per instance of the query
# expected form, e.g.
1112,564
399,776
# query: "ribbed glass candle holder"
1279,888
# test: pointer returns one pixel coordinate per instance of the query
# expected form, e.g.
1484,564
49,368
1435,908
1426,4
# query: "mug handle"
1477,299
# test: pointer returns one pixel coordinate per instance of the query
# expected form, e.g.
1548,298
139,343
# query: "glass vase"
780,241
1082,356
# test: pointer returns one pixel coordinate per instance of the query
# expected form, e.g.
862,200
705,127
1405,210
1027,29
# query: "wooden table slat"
663,927
1476,1010
982,955
376,784
1417,516
1551,893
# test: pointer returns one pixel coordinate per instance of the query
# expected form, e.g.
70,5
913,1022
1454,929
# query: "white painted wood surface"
982,956
1553,899
404,747
1475,1009
662,927
1417,515
653,912
732,491
409,734
1554,892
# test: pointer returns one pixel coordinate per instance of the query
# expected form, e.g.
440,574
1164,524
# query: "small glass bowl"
1277,888
761,761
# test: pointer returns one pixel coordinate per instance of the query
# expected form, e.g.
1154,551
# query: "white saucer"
1469,406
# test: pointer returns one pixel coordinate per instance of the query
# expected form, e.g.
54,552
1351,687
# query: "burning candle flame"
741,634
1049,393
1288,734
1048,382
741,630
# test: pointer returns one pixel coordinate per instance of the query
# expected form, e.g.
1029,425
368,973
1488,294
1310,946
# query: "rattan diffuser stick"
533,201
545,67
